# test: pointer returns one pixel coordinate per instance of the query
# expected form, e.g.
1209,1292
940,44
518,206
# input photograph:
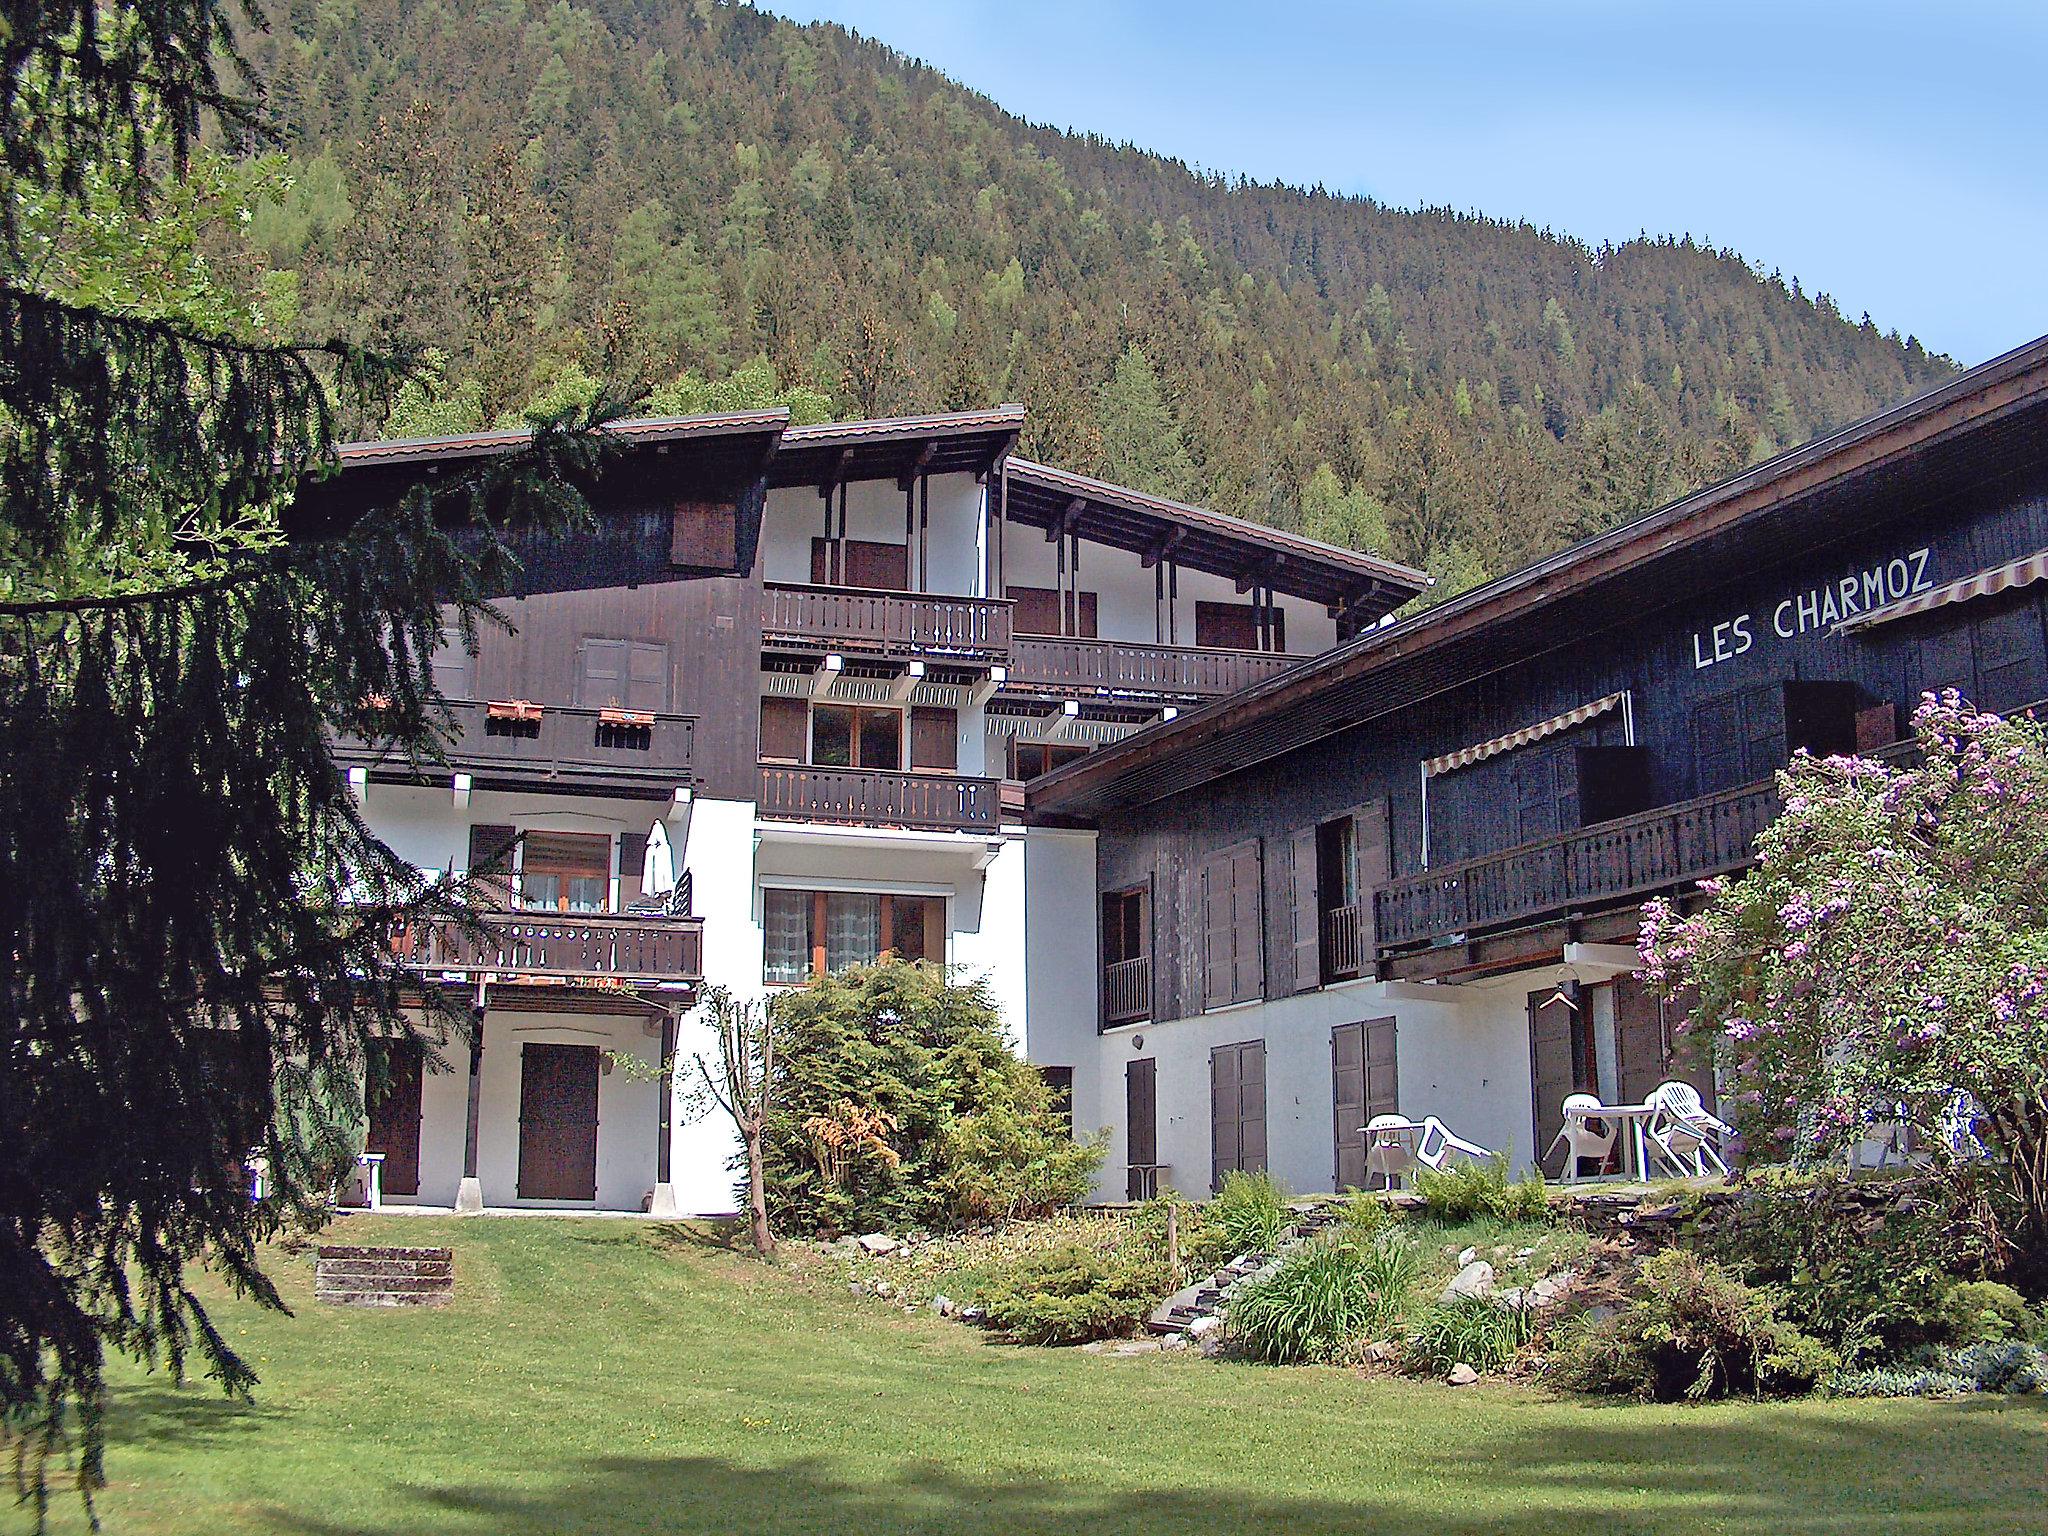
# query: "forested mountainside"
704,198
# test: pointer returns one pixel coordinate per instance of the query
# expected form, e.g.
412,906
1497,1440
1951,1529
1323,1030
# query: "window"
454,668
565,871
1126,946
1233,926
1060,1080
622,674
1235,627
1028,759
844,736
812,933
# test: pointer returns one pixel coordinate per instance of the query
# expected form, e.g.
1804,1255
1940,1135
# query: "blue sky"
1892,154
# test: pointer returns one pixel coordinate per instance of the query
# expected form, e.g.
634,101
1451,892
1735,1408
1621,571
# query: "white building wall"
874,511
1126,593
1058,944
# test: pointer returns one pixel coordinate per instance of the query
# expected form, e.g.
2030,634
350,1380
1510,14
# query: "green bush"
1365,1214
2006,1368
1469,1189
1250,1213
971,1131
1984,1311
1694,1331
1203,1244
1322,1301
1476,1330
1071,1295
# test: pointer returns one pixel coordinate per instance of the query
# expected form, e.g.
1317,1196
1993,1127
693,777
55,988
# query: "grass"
616,1377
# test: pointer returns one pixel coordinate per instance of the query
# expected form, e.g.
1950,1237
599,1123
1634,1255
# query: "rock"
878,1244
1601,1313
1468,1256
972,1314
1095,1347
1207,1327
884,1289
1137,1347
1173,1341
1212,1346
1552,1289
855,1288
943,1305
1525,1253
847,1244
1462,1375
1475,1279
1378,1353
1514,1298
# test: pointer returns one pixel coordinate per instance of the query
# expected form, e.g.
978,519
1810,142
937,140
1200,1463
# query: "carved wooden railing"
554,741
1614,860
1050,661
906,623
1127,990
874,797
1342,943
566,946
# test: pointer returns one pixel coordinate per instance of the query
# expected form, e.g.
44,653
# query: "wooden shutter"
821,562
1382,1068
1248,924
2008,649
1223,1114
490,858
784,725
1237,1109
1371,848
601,673
1307,910
883,567
1037,610
705,536
1226,626
1218,931
1717,746
1645,1043
1251,1078
1347,1093
647,676
1141,1127
1081,614
1550,1064
934,738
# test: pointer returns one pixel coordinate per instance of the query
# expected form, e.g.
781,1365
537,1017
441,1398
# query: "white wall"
874,510
1057,944
1126,591
1461,1053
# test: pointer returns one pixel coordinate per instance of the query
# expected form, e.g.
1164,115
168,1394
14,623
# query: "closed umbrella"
658,867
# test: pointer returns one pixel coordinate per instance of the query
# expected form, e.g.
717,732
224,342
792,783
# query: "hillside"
677,189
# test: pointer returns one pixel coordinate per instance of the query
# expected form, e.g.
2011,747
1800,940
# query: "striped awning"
2023,572
1465,757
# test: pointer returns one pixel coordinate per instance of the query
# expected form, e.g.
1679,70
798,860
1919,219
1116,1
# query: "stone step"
322,1281
360,1276
439,1268
356,1251
383,1298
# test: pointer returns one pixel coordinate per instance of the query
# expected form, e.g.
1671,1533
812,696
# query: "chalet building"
1407,874
818,664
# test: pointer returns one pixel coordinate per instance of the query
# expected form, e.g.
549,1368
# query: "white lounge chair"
1579,1137
1438,1143
1682,1132
1395,1146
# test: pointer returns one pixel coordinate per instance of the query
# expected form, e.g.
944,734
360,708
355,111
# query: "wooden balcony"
1066,665
1601,865
873,797
1127,991
1343,943
907,624
555,746
565,948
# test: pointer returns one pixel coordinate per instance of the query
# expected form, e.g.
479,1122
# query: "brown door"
1141,1128
1237,1110
884,567
394,1093
934,738
557,1122
1550,1060
1364,1083
1643,1039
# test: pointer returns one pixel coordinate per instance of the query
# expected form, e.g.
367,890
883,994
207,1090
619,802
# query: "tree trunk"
757,1194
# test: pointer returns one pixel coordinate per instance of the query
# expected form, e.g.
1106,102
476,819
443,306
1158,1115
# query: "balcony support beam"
469,1195
830,666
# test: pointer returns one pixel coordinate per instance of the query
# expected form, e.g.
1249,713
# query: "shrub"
1203,1244
1470,1189
1983,1311
1476,1330
1694,1331
1071,1295
1014,1159
1365,1215
1322,1301
1250,1213
2009,1367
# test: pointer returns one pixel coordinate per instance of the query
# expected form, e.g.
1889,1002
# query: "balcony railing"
874,797
1342,943
564,947
1610,862
593,747
1127,990
892,623
1073,665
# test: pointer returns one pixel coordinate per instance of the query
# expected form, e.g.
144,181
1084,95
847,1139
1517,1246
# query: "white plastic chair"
1437,1143
1581,1140
1390,1142
1682,1132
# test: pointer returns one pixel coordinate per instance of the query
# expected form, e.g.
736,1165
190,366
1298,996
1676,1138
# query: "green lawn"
616,1377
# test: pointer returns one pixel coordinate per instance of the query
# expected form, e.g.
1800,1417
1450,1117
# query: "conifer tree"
195,923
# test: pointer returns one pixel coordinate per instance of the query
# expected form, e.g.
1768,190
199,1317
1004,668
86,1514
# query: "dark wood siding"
1237,1110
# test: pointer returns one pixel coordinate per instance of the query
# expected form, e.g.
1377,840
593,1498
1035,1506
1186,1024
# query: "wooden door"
867,563
1237,1110
1643,1039
1141,1128
557,1122
394,1101
1551,1067
1364,1083
934,738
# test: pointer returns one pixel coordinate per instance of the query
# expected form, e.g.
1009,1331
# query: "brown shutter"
1382,1071
934,738
1307,913
1082,608
1248,925
705,536
1226,626
490,856
884,567
821,562
647,676
1372,850
1218,931
1347,1094
1251,1081
1224,1114
601,673
1141,1128
1550,1063
1037,610
783,728
1638,1039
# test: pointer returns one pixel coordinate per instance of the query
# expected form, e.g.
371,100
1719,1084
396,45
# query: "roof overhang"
1359,586
900,448
1990,420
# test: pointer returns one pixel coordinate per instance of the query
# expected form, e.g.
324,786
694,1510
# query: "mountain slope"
658,187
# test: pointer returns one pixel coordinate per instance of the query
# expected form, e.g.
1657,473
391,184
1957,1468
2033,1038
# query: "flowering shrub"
1887,956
